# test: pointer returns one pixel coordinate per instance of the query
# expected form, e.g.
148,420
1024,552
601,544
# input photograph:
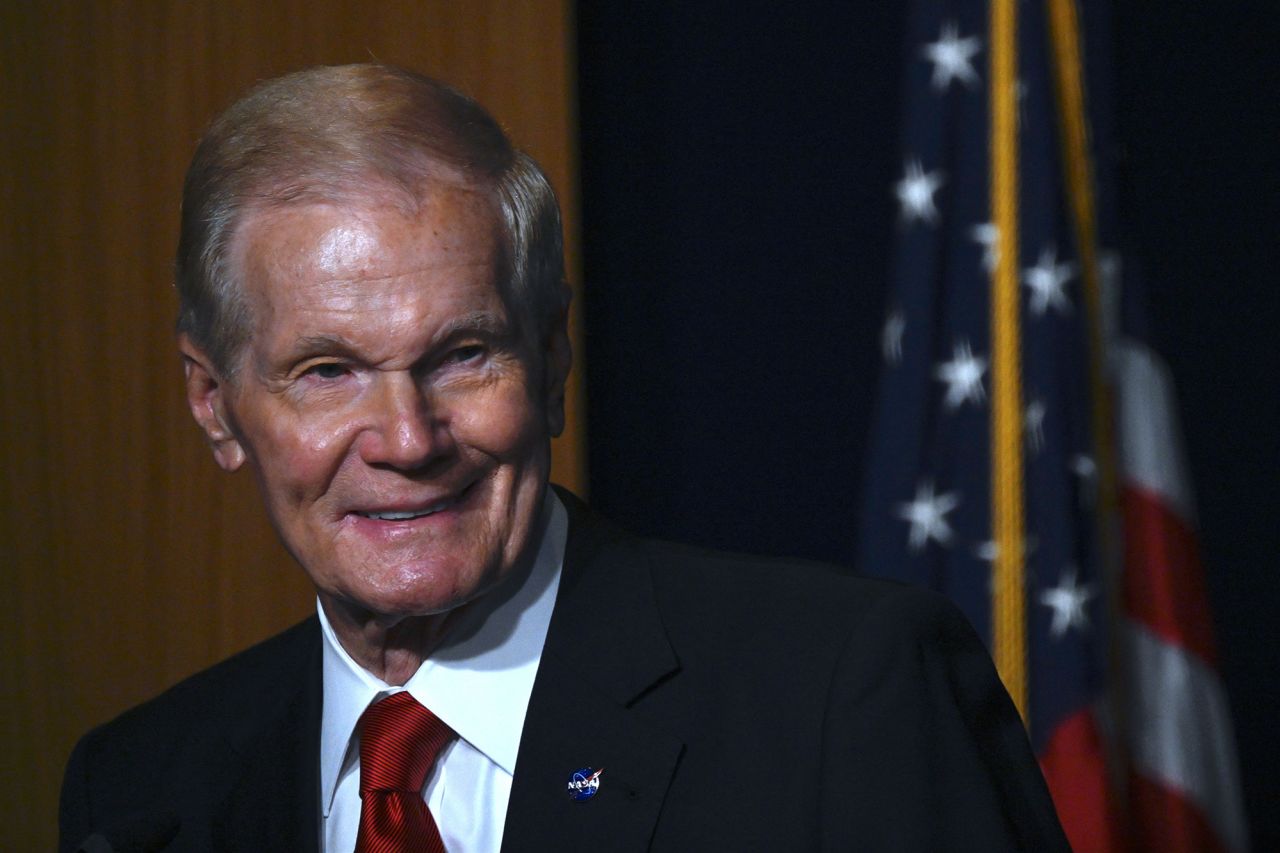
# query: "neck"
392,648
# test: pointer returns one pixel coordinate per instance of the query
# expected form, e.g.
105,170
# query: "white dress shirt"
478,682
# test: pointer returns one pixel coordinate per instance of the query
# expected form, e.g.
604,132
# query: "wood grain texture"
128,559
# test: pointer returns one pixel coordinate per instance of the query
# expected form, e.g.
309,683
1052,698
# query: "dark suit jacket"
732,704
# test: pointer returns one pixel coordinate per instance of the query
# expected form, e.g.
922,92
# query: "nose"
404,432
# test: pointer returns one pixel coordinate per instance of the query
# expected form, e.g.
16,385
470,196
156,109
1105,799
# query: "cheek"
299,460
505,424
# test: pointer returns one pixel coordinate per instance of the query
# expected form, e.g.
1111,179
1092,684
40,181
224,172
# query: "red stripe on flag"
1075,766
1163,580
1166,821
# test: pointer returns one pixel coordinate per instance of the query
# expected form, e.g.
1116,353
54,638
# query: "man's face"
397,421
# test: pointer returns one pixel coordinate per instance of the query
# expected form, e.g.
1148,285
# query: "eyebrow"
486,322
322,344
474,322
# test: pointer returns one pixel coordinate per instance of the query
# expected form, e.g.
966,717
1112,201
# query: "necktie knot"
399,742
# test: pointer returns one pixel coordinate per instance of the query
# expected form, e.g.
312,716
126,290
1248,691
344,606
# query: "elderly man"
373,322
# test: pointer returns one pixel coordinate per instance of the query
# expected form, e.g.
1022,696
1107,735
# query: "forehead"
335,236
372,250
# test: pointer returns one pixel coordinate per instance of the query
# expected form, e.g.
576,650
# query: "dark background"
737,165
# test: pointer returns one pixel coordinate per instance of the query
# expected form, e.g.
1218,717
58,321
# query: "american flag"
1024,458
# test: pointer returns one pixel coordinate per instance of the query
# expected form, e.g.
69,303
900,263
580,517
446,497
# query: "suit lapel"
272,791
605,648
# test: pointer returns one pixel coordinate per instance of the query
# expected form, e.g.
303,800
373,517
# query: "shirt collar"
477,681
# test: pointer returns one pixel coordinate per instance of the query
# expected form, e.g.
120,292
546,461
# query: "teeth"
404,516
393,516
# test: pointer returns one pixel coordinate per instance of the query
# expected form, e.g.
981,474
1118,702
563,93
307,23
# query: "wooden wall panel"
127,559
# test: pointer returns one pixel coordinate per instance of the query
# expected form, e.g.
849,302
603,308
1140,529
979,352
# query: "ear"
207,398
558,360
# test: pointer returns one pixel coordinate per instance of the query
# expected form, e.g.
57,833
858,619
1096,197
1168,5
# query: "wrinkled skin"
385,374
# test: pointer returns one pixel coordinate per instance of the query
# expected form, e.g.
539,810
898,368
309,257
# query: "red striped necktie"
399,742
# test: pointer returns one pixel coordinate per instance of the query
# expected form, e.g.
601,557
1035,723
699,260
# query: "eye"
326,370
464,354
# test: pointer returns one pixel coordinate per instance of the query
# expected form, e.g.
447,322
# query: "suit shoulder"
775,607
179,752
254,677
783,584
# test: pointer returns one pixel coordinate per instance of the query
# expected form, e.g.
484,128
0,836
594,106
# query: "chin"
420,589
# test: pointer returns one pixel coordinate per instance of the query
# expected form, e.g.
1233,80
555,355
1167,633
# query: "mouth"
410,513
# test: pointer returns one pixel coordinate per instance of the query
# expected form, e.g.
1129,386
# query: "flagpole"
1078,174
1009,622
1079,179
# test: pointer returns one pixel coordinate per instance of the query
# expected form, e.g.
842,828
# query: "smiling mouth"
408,515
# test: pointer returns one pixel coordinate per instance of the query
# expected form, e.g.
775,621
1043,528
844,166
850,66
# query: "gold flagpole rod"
1009,620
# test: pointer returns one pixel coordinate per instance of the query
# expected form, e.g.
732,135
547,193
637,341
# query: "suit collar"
605,649
606,624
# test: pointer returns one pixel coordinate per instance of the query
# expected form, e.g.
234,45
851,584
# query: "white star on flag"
1110,272
891,337
987,235
988,551
1067,601
1034,421
1046,280
963,375
915,193
950,56
1087,470
928,516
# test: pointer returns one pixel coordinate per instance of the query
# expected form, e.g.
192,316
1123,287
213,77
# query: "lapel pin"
584,783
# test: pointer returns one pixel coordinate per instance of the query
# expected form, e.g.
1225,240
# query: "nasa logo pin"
584,783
